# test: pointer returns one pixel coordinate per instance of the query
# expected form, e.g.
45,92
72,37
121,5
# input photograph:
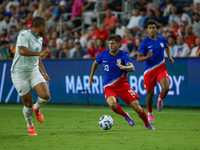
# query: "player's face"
42,30
113,46
151,29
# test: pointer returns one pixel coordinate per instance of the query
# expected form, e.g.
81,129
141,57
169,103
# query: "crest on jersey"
119,60
161,44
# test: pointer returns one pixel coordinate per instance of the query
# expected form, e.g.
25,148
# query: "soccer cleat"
31,131
150,127
129,120
38,114
150,118
159,105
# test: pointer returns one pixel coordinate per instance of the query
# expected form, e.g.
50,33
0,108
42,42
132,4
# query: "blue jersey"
111,71
157,48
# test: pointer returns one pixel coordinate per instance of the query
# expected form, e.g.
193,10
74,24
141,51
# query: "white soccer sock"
40,102
28,115
150,113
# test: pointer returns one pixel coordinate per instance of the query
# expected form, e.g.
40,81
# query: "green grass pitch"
69,127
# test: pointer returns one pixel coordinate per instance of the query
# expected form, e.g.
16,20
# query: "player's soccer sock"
150,113
40,102
28,115
150,109
143,116
161,97
118,110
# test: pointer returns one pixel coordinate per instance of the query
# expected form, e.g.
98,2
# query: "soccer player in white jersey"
25,72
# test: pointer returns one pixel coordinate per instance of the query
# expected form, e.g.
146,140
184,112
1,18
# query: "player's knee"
166,89
112,105
138,109
46,96
28,104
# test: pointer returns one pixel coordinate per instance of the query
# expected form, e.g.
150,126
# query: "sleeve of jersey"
22,40
99,58
142,48
127,58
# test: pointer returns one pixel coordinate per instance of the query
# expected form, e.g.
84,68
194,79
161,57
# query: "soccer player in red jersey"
152,51
116,64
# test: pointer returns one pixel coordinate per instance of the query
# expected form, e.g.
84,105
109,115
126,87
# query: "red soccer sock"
150,109
161,96
118,110
143,116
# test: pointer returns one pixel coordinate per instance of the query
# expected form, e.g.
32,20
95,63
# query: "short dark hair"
119,21
4,42
77,43
179,11
171,36
37,21
79,33
151,22
143,9
115,37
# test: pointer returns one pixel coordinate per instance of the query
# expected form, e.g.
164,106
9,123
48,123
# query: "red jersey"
94,34
98,50
91,52
103,35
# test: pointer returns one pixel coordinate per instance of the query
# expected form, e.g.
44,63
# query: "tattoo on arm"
130,67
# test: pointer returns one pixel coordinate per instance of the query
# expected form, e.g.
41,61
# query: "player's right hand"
91,80
150,53
45,52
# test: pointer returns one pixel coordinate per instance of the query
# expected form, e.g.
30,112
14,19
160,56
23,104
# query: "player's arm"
129,67
42,69
94,68
171,60
24,51
141,57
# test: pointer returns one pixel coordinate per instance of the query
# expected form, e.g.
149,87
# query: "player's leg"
149,102
141,113
149,83
40,86
112,102
43,97
27,111
163,79
23,88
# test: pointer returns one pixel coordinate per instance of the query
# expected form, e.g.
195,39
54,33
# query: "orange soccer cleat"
31,131
39,115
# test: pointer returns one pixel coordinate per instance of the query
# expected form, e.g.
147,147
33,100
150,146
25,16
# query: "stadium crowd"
178,21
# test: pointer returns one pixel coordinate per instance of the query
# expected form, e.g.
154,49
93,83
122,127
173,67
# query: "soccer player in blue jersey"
116,64
152,50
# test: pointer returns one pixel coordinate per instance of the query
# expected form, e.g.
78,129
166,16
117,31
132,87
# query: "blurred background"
77,31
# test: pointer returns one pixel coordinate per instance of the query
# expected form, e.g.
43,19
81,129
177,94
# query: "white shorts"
23,82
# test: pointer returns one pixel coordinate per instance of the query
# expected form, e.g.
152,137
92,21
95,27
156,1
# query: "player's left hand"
46,77
121,66
171,60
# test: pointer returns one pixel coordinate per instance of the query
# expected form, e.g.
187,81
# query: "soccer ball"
106,122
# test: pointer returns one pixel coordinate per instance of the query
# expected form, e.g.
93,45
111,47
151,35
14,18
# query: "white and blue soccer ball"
106,122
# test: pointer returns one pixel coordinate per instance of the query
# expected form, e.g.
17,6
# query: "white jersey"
24,64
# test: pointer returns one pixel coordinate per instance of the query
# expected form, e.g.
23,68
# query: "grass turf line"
76,127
